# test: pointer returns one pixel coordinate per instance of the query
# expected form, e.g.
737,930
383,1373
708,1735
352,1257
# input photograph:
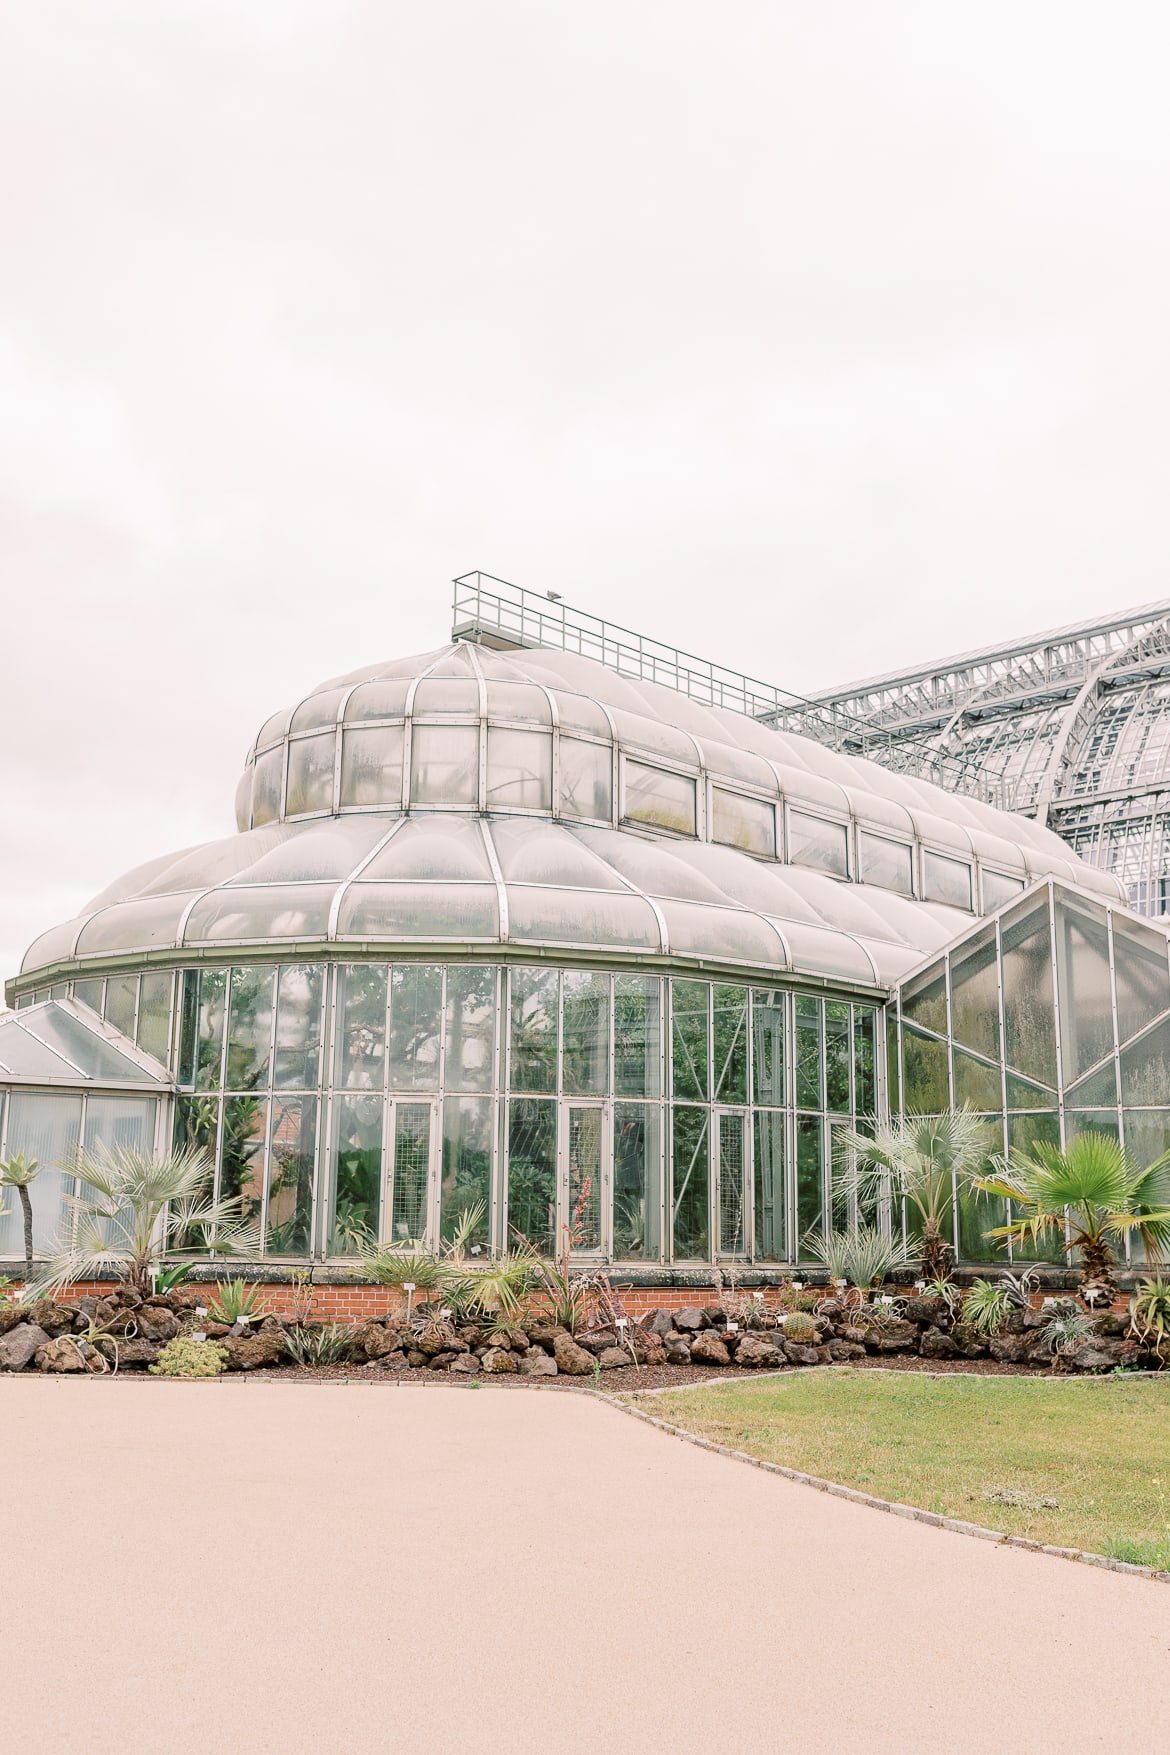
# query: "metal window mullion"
1056,998
1006,1132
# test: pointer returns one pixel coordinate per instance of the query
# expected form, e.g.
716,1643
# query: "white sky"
818,337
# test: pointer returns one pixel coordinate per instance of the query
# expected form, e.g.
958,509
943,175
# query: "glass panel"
770,1191
690,1216
412,1162
1143,985
533,1037
926,1087
310,774
440,694
586,779
250,1028
889,864
689,1003
298,1026
1021,1094
823,845
317,710
749,823
361,1036
419,911
809,1082
998,889
1147,1135
532,1173
637,1035
384,699
768,1047
1024,1131
946,880
416,1005
45,1125
114,1122
978,1213
732,1166
585,1127
1086,998
925,1002
1077,1121
188,1026
512,700
292,1158
444,764
975,996
586,1034
470,1029
267,778
976,1083
371,766
837,1055
731,1044
893,1061
154,1016
864,1060
1099,1089
357,1174
1027,992
637,1182
1145,1068
212,1000
241,1173
90,994
197,1124
121,1002
810,1192
467,1165
519,770
659,798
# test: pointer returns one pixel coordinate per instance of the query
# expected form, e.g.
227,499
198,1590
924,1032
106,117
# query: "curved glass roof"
537,799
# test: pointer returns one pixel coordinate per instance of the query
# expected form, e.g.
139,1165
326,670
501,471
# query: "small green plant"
170,1275
1149,1314
326,1343
799,1327
1062,1331
944,1289
1138,1553
238,1301
187,1357
986,1307
407,1267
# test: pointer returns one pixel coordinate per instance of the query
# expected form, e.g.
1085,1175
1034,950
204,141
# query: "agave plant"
326,1343
1149,1314
985,1307
237,1301
918,1159
863,1254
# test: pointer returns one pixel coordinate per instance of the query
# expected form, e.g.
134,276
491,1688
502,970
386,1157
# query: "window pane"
447,694
467,1165
292,1158
90,994
768,1047
361,1035
298,1026
357,1174
241,1174
1021,1094
771,1196
533,1041
1083,982
45,1125
864,1060
310,774
412,1162
737,821
1027,992
823,845
1143,985
519,770
1024,1131
444,764
731,1044
893,1062
586,1034
975,996
659,798
837,1055
266,782
471,1029
532,1173
889,864
998,889
416,1000
976,1083
212,999
925,1084
809,1178
1099,1089
924,1000
585,1177
809,1086
689,1001
154,1016
946,880
371,766
732,1215
586,779
121,1002
637,1182
1145,1068
690,1184
637,1035
250,1031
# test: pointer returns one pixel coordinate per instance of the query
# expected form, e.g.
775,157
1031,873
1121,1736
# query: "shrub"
187,1357
326,1343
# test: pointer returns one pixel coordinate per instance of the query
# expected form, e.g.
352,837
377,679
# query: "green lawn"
989,1450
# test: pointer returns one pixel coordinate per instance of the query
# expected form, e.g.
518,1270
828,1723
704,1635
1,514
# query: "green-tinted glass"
689,1003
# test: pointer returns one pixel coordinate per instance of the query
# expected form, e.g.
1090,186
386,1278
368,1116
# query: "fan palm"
918,1159
17,1172
1089,1191
129,1199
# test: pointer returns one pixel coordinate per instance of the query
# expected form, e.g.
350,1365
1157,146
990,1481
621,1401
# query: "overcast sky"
817,337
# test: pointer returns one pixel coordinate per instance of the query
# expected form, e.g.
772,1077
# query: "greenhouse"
507,934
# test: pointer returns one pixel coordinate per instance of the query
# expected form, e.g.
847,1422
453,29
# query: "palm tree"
17,1172
1089,1191
131,1203
917,1159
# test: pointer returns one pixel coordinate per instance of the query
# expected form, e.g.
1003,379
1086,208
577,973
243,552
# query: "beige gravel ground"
252,1567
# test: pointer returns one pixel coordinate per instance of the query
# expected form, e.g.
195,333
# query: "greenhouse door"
730,1181
411,1185
584,1167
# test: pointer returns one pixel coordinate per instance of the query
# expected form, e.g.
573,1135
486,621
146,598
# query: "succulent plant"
800,1327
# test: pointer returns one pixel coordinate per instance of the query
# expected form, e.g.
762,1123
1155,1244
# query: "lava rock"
756,1351
61,1354
708,1349
499,1360
434,1337
573,1360
928,1312
11,1316
396,1361
131,1354
840,1351
677,1352
20,1345
1010,1349
536,1363
662,1324
798,1355
156,1323
372,1342
937,1345
544,1334
415,1359
971,1344
254,1352
464,1365
690,1320
55,1319
613,1359
1097,1353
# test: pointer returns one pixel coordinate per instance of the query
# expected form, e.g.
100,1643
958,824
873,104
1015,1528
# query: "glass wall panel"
1027,992
659,798
267,779
809,1079
889,864
1099,1089
310,774
733,1239
586,1034
121,1001
637,1182
444,764
771,1199
768,1084
924,1001
690,1198
298,1026
1145,1068
893,1061
975,996
1078,1121
470,1049
820,844
361,1026
113,1123
946,880
1086,996
416,1009
519,770
998,888
689,1002
864,1060
357,1175
250,1028
445,694
586,779
976,1083
584,1147
1025,1131
532,1173
925,1084
154,1015
241,1170
412,1165
45,1125
637,1036
1022,1094
810,1189
212,1003
90,993
749,823
467,1165
371,766
291,1165
533,1030
1143,984
731,1044
837,1055
1147,1135
978,1213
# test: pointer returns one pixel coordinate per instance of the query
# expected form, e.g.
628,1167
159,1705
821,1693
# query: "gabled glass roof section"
61,1042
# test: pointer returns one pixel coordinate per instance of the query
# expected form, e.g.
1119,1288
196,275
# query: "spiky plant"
1088,1195
917,1159
129,1199
18,1172
415,1267
1149,1314
863,1255
985,1307
326,1343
